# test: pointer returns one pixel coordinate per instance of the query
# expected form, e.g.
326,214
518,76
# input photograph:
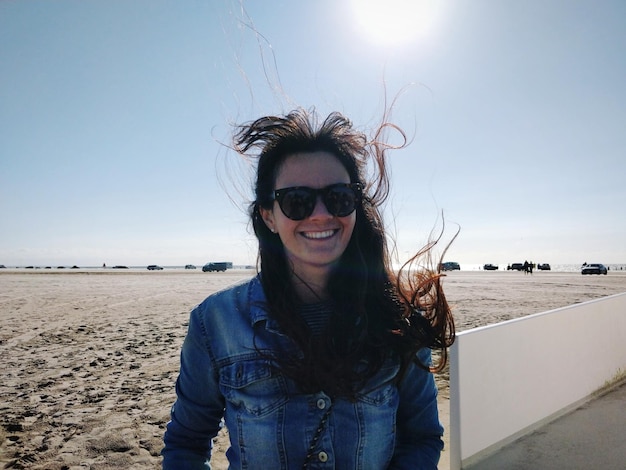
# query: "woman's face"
314,244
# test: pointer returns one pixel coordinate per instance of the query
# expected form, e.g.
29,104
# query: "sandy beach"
89,357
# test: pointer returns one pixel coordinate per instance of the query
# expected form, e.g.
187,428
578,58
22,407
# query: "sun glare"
394,21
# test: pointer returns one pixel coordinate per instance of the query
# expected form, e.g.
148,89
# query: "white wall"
507,379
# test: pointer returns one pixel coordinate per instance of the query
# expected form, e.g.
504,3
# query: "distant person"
323,359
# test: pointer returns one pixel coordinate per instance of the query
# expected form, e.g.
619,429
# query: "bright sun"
394,21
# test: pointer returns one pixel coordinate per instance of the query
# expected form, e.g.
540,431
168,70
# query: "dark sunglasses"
298,202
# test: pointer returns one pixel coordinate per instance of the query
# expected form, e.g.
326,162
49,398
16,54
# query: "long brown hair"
377,314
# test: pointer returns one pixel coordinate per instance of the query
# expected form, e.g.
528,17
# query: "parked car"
190,266
210,267
450,266
154,267
543,267
516,267
490,267
594,268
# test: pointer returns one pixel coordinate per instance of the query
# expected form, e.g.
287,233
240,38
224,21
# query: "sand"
89,357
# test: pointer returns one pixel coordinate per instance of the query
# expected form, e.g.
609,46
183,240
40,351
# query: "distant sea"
564,268
110,268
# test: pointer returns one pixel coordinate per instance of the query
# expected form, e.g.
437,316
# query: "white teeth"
326,234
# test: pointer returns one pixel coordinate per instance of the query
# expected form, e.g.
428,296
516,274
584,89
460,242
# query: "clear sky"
115,117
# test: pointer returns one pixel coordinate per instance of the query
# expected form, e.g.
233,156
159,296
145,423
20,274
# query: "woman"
323,359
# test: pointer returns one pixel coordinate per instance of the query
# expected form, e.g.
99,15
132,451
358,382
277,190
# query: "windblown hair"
378,314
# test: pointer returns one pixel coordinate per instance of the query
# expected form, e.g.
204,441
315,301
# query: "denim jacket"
271,425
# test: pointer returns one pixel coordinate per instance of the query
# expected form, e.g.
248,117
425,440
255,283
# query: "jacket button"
321,404
322,456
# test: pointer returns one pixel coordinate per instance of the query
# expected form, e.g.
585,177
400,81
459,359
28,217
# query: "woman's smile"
319,235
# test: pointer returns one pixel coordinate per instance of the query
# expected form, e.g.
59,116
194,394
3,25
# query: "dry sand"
89,357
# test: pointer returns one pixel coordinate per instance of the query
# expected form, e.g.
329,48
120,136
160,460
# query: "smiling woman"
326,331
394,21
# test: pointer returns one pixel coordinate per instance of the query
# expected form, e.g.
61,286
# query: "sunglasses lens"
340,200
297,204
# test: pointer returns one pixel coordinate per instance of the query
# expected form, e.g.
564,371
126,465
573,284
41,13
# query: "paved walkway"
591,437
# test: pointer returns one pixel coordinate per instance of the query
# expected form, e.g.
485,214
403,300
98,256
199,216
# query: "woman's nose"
320,210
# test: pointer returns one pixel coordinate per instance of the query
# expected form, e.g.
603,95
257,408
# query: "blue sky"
115,118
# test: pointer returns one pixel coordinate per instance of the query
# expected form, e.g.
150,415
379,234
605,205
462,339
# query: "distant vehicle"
544,267
190,266
516,267
2,266
210,267
594,268
119,266
154,267
450,266
490,267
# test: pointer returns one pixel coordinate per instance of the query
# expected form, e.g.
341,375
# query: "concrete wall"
510,378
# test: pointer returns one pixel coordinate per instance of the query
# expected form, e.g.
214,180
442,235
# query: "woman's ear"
268,217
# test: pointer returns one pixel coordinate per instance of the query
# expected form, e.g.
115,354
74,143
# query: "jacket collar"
258,305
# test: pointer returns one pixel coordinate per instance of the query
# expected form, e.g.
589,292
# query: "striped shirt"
316,316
